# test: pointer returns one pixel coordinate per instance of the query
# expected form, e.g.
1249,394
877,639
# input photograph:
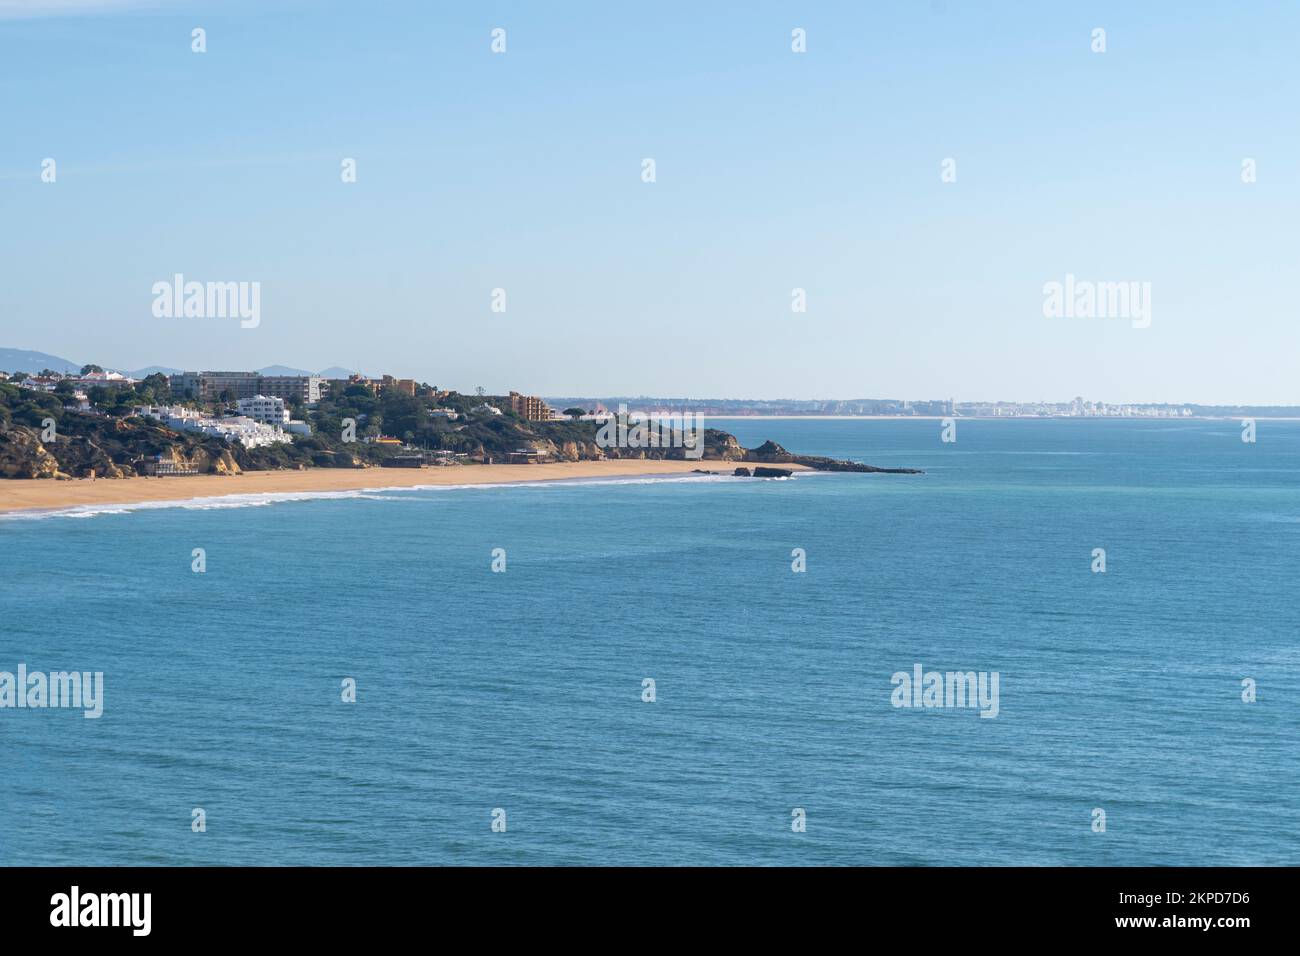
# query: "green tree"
159,384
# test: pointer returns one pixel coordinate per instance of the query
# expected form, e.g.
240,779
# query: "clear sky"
775,170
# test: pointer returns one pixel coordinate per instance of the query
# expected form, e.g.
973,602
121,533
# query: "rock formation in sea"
771,452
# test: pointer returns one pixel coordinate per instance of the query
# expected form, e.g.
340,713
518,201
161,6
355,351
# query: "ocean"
499,716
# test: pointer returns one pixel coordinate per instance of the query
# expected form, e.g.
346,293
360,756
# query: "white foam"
214,503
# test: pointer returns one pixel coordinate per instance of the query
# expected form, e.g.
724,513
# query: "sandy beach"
45,494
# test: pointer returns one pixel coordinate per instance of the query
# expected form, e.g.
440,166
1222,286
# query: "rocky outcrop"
722,446
718,446
23,456
741,473
83,457
819,463
762,472
770,451
203,460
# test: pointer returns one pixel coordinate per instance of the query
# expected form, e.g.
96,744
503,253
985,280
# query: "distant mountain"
21,360
334,371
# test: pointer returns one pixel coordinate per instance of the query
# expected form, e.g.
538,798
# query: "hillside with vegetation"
46,434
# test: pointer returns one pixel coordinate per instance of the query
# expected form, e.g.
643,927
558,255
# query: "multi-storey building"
407,386
265,409
404,385
529,407
211,386
304,388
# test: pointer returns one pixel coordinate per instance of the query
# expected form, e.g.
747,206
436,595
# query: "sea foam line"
210,503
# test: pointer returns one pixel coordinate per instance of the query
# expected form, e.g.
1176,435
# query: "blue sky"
775,170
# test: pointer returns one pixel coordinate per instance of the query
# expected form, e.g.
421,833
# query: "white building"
265,409
38,383
238,428
91,379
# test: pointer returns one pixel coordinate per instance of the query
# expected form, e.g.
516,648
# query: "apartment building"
305,388
266,409
240,428
407,386
210,386
529,407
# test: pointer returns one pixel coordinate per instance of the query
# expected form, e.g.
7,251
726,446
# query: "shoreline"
45,494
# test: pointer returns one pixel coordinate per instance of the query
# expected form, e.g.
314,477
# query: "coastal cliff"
41,437
23,456
107,448
87,454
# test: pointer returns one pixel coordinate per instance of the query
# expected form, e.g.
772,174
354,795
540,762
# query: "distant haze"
24,360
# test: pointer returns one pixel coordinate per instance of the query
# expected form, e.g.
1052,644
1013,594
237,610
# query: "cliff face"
83,457
565,450
23,456
204,461
718,446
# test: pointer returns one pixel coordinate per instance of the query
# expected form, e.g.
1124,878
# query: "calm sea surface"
522,690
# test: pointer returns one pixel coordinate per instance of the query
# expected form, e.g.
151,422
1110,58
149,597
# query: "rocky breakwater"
771,453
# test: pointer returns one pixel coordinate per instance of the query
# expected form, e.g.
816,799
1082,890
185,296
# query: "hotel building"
210,386
265,409
529,407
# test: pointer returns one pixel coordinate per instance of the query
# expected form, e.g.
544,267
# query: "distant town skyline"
943,199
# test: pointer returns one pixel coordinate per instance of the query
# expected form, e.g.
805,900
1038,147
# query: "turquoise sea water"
522,690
